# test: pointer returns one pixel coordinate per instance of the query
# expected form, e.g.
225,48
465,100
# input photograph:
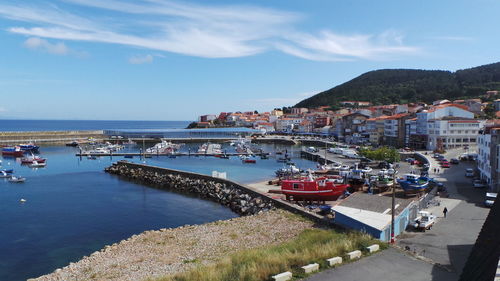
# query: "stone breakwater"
227,194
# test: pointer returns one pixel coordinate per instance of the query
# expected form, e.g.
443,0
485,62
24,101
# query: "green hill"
388,86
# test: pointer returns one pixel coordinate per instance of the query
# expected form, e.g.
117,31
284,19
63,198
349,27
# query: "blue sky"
175,60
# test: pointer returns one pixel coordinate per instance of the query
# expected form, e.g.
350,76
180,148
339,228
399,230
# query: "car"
490,199
454,161
469,172
478,184
424,221
445,164
366,170
409,160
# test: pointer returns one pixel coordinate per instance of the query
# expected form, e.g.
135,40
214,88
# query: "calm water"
65,125
73,208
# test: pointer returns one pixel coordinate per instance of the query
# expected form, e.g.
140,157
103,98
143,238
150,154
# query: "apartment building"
488,161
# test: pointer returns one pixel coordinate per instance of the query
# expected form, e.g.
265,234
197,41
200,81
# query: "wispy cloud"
141,59
197,30
36,43
454,38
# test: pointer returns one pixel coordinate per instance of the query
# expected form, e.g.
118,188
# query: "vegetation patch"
311,246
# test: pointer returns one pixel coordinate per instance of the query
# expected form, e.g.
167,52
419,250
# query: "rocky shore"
169,251
239,201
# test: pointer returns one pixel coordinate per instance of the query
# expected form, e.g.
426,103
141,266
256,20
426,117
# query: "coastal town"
190,140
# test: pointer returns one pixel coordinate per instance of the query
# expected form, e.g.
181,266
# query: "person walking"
445,211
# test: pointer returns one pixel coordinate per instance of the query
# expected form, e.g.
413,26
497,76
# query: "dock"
195,154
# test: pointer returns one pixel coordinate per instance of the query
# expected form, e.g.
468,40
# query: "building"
299,110
375,129
321,121
355,103
451,132
287,124
264,127
474,105
305,126
207,118
496,104
372,214
212,133
488,160
394,130
352,127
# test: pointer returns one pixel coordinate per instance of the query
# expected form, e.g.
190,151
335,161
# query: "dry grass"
312,245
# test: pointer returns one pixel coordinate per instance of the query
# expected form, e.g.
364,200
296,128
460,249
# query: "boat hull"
324,195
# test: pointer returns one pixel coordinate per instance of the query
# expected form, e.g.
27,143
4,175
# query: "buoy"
22,200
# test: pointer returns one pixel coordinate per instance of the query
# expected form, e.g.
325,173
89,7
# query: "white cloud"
198,30
36,43
141,59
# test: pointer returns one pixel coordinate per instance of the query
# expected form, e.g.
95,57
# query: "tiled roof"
448,105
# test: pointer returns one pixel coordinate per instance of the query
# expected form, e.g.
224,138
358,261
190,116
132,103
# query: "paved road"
444,248
389,265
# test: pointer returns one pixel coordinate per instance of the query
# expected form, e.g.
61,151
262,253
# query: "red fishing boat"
309,188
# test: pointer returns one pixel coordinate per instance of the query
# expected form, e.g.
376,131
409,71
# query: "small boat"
12,151
15,179
5,175
37,164
29,147
73,143
9,171
30,160
287,171
310,188
413,183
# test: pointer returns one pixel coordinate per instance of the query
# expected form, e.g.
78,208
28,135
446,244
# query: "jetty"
194,154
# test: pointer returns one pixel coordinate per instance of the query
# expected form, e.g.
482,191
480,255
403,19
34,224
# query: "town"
439,126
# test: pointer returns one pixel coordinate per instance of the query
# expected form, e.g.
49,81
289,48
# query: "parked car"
312,149
454,161
469,172
445,164
490,199
424,221
478,184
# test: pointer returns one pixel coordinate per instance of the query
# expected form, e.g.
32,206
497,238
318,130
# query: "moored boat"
31,159
36,164
29,147
310,188
5,175
12,151
8,171
15,179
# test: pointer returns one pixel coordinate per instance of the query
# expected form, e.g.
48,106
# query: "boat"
310,188
9,171
210,148
163,147
288,171
15,179
5,175
37,164
73,143
12,151
29,147
31,159
413,183
92,157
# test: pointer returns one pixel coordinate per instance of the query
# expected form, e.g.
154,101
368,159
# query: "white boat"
15,179
164,147
5,175
36,164
210,148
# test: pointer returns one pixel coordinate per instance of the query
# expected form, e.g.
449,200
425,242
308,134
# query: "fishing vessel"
29,147
163,147
413,183
12,151
31,159
310,188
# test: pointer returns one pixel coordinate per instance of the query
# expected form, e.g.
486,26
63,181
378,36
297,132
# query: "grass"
312,245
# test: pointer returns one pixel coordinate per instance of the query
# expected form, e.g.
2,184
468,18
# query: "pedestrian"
445,211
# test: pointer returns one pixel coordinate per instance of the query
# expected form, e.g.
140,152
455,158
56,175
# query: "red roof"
396,116
448,105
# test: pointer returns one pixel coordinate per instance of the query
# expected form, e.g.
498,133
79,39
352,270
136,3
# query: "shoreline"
166,251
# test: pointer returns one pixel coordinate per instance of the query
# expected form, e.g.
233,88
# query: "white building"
483,157
488,160
446,133
287,124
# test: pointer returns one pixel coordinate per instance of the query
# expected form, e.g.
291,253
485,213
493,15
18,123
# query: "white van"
490,199
469,172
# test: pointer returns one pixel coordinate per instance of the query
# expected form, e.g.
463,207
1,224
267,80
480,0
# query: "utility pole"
393,205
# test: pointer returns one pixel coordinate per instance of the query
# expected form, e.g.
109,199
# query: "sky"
176,60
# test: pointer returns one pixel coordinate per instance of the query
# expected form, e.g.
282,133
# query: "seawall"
240,198
48,137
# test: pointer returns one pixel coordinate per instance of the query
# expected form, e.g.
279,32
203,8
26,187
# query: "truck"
424,221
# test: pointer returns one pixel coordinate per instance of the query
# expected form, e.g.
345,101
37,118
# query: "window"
472,140
465,140
297,186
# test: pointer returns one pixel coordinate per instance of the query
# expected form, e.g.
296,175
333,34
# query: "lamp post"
393,205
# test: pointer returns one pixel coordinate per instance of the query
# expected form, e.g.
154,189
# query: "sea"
73,208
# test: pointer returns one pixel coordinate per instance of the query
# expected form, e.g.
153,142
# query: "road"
441,251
